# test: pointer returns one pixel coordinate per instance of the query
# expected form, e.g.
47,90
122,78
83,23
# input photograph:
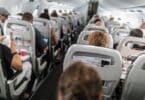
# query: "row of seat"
118,61
24,35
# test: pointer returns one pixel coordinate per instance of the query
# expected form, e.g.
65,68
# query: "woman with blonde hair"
98,38
80,82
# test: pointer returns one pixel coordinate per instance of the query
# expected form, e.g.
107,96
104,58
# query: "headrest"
19,28
127,50
91,27
82,39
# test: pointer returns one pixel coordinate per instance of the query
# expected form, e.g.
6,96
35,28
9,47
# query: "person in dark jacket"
45,14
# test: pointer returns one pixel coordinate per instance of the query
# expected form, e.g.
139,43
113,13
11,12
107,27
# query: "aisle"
47,90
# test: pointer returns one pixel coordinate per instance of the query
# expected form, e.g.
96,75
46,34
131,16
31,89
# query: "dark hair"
27,16
80,82
136,33
97,20
45,10
45,15
54,14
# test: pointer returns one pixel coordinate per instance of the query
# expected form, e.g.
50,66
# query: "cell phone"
11,36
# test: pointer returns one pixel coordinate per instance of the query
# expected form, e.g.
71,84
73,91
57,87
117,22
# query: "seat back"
111,25
64,24
106,61
15,17
56,24
127,50
90,27
67,22
82,39
43,26
119,34
135,83
3,89
115,28
24,35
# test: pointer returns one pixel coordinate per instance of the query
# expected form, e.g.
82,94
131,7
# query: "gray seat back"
82,39
64,25
119,34
126,51
43,26
3,89
56,24
90,27
97,56
135,83
15,17
24,35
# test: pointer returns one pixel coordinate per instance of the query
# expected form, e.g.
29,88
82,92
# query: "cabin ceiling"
109,4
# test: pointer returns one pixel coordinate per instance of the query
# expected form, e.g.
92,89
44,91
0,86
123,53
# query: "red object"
23,52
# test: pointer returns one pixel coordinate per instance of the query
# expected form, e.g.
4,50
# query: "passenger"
60,12
98,38
111,19
54,14
11,59
41,45
136,33
98,22
45,14
3,16
80,82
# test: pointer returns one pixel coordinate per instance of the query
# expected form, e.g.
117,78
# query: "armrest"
15,75
132,58
41,66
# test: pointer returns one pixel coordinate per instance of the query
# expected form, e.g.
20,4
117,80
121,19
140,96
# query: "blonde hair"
98,38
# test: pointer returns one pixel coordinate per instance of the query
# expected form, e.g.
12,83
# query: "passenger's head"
60,11
111,19
45,15
98,22
80,82
27,17
136,33
98,38
54,14
3,14
46,11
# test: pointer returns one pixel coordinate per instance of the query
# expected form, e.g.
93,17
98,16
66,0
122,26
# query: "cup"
23,52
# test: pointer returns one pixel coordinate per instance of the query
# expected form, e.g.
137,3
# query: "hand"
2,38
13,47
45,50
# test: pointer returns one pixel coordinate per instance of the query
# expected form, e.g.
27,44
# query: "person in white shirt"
3,16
